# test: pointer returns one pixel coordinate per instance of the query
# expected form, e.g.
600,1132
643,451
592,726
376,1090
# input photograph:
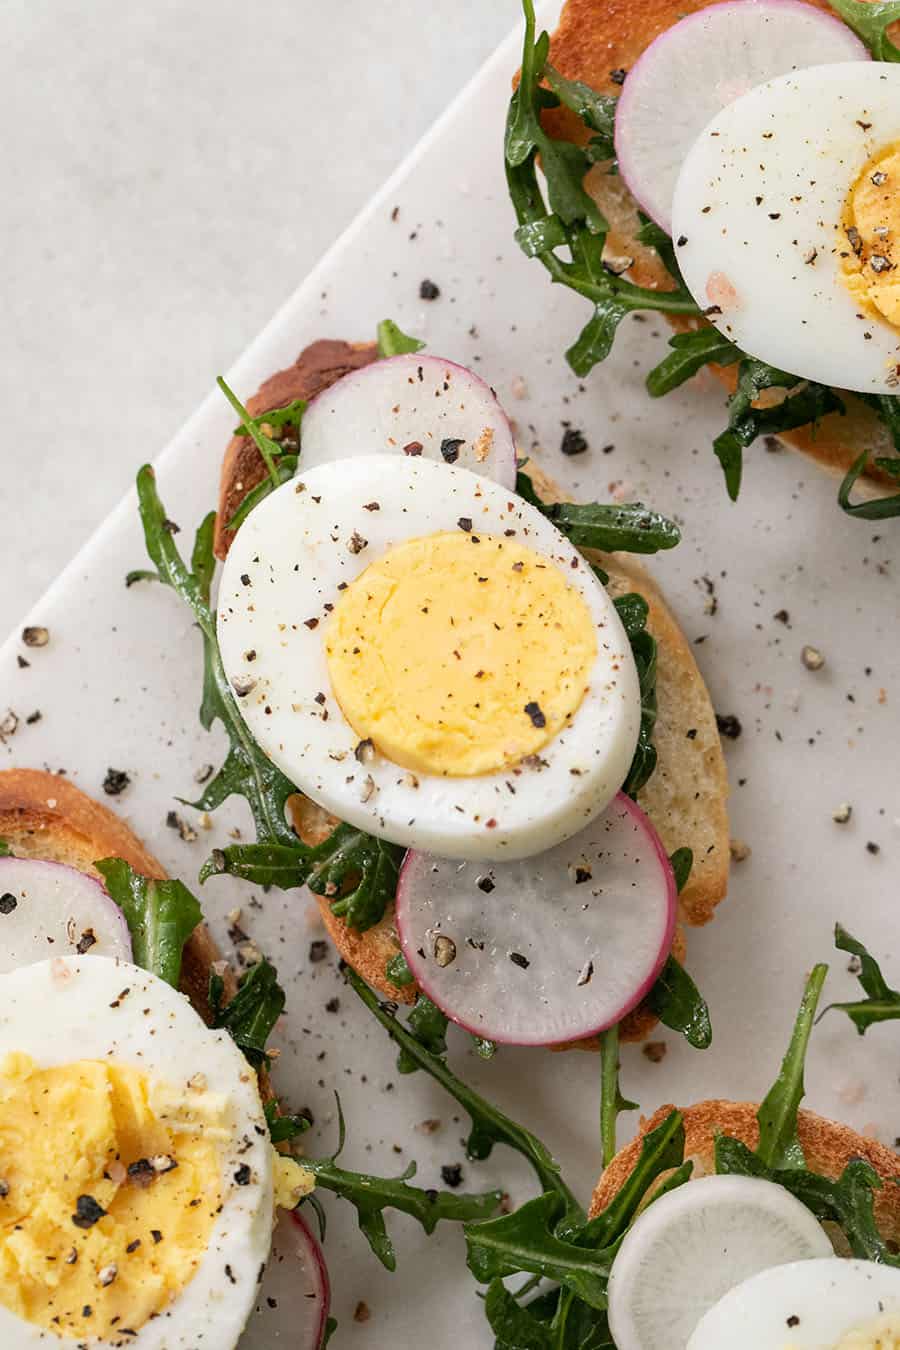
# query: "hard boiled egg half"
136,1173
426,656
786,222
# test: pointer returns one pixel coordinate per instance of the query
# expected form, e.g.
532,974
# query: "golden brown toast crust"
597,37
686,797
43,815
827,1146
318,366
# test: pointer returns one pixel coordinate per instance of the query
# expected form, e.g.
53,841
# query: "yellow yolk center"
460,653
110,1187
870,246
883,1334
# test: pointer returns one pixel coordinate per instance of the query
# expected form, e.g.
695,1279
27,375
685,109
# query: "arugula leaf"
633,611
283,1127
879,508
848,1201
627,528
871,23
5,850
611,1100
882,1003
779,1146
489,1124
808,404
393,342
662,1149
515,1328
288,418
690,353
251,1015
528,1240
680,1006
569,218
675,998
398,972
597,111
285,468
161,915
372,1195
428,1025
246,771
359,870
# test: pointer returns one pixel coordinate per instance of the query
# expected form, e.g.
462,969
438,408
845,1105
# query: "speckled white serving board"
119,683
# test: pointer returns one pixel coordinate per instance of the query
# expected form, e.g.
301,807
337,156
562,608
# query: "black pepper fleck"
116,781
573,442
428,290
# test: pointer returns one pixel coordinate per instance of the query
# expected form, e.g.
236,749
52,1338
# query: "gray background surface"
170,173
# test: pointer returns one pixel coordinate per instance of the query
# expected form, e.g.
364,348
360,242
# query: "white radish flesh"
295,1293
700,65
551,949
695,1243
48,909
413,405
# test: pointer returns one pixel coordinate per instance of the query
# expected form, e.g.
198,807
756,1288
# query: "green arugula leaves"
5,850
779,1146
357,869
633,611
882,1003
848,1201
612,1103
489,1126
627,528
392,341
570,219
871,23
876,508
161,915
251,1015
690,353
372,1195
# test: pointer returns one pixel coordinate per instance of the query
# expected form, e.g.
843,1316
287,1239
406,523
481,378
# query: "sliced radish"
699,65
550,949
48,909
806,1305
414,405
295,1293
692,1245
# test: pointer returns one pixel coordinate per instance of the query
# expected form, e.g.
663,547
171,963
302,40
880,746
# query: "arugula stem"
609,1091
260,440
489,1123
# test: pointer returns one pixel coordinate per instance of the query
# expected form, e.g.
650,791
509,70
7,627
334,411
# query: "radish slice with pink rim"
412,404
551,949
48,909
295,1293
701,64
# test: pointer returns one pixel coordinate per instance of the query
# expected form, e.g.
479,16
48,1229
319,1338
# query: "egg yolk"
460,653
883,1334
109,1187
870,244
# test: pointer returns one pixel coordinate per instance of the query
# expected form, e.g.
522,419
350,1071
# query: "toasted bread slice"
828,1148
598,38
43,815
687,795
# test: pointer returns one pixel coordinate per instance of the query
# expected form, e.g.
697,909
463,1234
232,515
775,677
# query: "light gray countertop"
170,173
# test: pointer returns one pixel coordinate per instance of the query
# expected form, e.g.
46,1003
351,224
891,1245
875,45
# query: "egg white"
829,1297
59,1011
287,562
799,143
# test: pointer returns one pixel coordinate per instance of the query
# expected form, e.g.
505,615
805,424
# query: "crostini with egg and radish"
674,144
756,1226
385,554
147,1169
